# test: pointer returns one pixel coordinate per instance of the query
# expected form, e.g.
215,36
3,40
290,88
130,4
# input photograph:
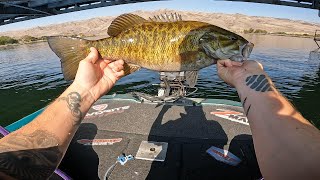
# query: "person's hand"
233,72
98,75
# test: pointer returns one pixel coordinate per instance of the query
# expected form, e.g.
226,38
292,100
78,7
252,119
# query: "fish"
163,43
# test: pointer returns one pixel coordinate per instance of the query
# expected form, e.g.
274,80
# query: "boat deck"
189,128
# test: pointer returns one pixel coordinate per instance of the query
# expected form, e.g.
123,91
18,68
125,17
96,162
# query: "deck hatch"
152,151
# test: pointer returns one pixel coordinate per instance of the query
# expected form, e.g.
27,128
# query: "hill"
238,23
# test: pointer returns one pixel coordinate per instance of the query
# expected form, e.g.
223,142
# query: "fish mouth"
245,51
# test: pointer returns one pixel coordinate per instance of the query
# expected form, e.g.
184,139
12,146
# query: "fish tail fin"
70,51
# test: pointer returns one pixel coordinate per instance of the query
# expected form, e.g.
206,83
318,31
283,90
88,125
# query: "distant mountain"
234,22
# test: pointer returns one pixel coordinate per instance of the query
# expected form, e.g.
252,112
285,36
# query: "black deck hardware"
172,87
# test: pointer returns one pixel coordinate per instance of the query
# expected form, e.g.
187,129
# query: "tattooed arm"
286,144
35,150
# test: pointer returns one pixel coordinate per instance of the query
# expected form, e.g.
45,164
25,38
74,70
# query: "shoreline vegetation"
264,32
6,41
9,41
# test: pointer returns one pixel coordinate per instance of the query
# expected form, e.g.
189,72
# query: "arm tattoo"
244,106
248,110
30,156
244,101
259,83
73,99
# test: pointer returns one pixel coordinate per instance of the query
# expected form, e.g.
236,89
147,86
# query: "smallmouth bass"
162,43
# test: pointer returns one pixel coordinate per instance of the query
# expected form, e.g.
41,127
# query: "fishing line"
111,168
109,171
196,89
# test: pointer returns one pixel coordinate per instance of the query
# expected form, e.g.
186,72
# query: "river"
30,77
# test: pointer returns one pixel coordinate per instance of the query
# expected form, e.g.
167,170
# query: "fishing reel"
172,87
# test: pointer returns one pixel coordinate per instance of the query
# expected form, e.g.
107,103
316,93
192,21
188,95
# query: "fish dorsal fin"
173,17
123,22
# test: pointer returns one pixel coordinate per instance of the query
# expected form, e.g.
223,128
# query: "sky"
252,9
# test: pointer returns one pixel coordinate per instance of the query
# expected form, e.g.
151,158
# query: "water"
30,77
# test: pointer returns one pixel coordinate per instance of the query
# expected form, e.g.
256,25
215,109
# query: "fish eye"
202,40
233,38
207,37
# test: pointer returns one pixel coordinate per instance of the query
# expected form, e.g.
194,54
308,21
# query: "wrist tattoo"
30,156
73,100
259,83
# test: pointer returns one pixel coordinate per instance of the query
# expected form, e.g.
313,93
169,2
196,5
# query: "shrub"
280,33
7,40
260,31
43,38
28,38
249,31
78,35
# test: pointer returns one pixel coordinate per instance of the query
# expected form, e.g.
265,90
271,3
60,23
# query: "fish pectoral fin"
130,68
191,77
173,17
123,22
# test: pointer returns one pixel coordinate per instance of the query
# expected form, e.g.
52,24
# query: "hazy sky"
253,9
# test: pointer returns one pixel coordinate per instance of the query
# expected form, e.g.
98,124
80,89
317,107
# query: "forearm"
39,146
65,114
286,144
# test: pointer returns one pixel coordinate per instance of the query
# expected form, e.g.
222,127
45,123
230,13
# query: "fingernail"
239,63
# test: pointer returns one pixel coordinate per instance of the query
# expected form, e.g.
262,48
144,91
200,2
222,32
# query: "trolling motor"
172,87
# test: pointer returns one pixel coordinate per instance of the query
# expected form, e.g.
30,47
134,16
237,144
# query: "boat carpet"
188,130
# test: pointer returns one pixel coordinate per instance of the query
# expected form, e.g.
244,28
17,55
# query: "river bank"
6,46
21,42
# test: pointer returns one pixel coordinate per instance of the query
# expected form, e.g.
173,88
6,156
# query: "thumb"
93,56
225,63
